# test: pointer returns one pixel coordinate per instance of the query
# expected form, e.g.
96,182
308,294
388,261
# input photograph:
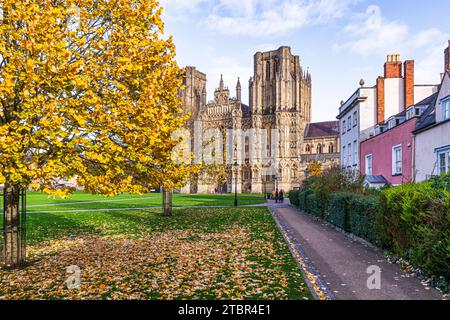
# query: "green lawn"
38,202
212,253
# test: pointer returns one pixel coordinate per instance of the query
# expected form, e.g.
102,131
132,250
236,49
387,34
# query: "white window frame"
350,155
369,170
410,113
391,124
395,160
349,124
446,152
445,108
355,152
355,119
344,126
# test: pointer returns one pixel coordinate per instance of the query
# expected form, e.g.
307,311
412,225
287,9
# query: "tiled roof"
322,129
428,117
376,179
429,100
245,108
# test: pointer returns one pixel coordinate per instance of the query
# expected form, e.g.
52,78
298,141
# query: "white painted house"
356,116
370,106
432,135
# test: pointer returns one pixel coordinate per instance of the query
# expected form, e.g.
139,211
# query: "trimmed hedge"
412,220
294,197
303,203
315,206
339,213
365,219
416,219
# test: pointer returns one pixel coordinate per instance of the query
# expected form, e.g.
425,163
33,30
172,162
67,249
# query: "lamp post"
276,189
236,167
265,189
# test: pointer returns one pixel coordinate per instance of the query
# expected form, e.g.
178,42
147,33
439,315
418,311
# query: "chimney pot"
393,66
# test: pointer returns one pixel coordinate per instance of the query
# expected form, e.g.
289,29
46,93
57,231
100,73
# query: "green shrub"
441,183
315,206
335,180
303,203
416,220
398,210
339,210
412,220
294,197
365,219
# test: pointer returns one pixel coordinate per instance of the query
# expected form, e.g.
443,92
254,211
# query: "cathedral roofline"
195,68
276,50
322,129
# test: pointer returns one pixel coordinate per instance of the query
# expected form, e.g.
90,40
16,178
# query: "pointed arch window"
308,148
319,149
331,148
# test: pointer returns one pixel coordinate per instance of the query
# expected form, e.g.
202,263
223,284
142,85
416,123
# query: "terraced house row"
397,131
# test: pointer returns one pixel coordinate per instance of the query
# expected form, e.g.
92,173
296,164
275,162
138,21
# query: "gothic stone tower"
194,100
194,94
267,135
280,101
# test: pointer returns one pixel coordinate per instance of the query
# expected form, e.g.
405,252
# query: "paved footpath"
341,263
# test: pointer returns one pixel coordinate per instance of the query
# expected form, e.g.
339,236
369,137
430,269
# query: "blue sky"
340,41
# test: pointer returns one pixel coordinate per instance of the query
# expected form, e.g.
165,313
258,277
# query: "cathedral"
254,147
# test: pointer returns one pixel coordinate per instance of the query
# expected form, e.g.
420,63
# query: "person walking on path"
281,196
277,195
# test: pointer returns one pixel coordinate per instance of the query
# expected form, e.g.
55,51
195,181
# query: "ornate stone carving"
279,103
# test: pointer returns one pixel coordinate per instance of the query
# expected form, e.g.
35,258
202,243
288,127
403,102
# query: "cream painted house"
432,136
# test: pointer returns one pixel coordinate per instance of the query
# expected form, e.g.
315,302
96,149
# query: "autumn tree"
215,168
314,169
88,89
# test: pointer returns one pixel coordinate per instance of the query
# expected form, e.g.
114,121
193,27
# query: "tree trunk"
167,202
13,253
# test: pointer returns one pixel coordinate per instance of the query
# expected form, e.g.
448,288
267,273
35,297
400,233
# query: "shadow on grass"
202,220
46,227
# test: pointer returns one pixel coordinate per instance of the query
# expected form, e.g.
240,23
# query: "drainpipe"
414,158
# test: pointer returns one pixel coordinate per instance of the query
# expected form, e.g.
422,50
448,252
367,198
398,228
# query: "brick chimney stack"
409,83
380,100
447,57
393,67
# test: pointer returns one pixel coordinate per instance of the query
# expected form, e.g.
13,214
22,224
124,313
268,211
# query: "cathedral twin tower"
279,84
265,137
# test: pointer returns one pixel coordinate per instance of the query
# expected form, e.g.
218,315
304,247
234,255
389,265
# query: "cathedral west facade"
258,145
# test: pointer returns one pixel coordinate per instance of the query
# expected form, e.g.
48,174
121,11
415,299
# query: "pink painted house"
388,156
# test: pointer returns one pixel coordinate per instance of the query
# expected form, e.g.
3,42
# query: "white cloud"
262,17
372,34
181,5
